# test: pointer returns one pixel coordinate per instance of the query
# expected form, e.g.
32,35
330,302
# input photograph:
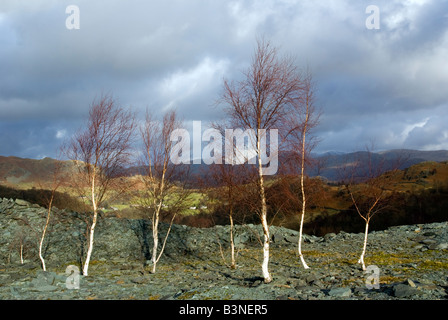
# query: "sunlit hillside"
417,194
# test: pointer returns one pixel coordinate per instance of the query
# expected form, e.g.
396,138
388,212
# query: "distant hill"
328,164
26,173
23,173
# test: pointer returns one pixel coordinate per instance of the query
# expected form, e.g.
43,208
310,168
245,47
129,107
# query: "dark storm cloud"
387,85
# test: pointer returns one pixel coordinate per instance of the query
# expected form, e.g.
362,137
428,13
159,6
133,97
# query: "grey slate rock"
44,278
23,203
192,262
46,288
340,292
404,290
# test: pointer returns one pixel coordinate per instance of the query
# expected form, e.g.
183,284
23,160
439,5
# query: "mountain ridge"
16,171
328,164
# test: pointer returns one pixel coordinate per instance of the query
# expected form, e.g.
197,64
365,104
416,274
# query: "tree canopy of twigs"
366,182
101,151
262,100
164,182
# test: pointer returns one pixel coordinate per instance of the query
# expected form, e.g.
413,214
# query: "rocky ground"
412,262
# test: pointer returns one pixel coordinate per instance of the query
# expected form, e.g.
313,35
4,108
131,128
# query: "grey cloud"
372,84
431,132
33,139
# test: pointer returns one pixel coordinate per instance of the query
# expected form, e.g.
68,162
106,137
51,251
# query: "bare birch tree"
101,151
228,181
366,182
229,185
260,101
21,241
55,184
304,119
161,176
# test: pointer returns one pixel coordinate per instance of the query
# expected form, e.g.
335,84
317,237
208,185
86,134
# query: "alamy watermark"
72,281
236,147
373,20
373,278
73,20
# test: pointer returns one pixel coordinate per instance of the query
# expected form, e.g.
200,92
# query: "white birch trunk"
92,228
300,244
155,236
232,244
40,254
361,259
40,247
265,265
303,194
21,253
90,248
43,234
266,239
157,258
155,223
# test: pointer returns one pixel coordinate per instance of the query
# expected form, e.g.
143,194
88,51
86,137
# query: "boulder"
340,292
22,203
402,290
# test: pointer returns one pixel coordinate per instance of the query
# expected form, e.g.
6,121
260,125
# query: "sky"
381,76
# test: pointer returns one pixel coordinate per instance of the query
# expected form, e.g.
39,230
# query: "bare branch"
263,100
101,150
161,176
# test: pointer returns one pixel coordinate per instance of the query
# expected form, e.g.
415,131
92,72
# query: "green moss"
380,258
72,263
349,281
188,295
391,279
434,265
96,262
